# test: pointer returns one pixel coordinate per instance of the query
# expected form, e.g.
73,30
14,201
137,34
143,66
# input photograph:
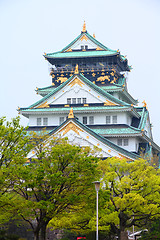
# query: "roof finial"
145,104
71,115
76,69
84,27
94,35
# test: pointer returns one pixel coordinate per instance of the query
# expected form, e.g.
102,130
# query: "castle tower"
90,78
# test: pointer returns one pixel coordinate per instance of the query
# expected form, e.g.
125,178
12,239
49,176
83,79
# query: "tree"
14,148
13,142
134,194
58,177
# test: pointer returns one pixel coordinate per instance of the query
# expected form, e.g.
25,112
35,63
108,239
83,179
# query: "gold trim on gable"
69,50
84,38
43,105
109,103
98,48
76,81
71,126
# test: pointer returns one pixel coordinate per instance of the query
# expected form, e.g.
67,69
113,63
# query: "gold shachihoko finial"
145,104
84,27
71,115
76,69
94,35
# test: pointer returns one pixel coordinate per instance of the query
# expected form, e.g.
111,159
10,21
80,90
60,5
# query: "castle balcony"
83,69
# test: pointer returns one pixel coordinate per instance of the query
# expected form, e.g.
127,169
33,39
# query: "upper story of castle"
98,63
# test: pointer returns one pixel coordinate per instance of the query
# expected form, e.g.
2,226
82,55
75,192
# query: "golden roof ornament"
76,69
145,104
71,115
84,27
94,35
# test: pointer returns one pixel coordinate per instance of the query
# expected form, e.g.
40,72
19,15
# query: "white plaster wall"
133,143
84,42
148,129
99,118
53,119
81,93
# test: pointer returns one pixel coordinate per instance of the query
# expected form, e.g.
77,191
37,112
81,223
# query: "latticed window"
119,141
45,121
108,119
73,100
91,120
126,142
61,120
39,122
79,100
84,100
84,120
114,119
68,100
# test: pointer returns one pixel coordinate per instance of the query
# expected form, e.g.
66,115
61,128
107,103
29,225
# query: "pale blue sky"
28,28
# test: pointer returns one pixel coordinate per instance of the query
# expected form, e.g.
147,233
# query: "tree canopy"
134,194
59,176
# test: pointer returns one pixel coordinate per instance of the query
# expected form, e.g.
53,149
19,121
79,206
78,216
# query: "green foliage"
59,178
14,148
134,194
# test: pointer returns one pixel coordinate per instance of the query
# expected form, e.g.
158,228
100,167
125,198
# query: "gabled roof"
99,51
85,80
87,35
122,152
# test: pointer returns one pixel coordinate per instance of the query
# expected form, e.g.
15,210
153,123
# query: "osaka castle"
88,101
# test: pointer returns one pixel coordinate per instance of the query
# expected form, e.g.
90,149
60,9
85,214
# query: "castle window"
84,120
82,47
79,100
73,100
91,120
61,120
114,119
68,100
39,122
119,141
84,100
86,47
108,119
125,142
45,121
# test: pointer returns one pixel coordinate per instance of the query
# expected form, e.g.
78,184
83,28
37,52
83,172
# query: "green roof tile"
80,54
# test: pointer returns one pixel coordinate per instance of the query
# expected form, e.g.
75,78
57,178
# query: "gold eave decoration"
69,50
103,78
71,126
84,37
98,48
61,79
144,104
76,81
43,105
109,103
71,115
76,71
